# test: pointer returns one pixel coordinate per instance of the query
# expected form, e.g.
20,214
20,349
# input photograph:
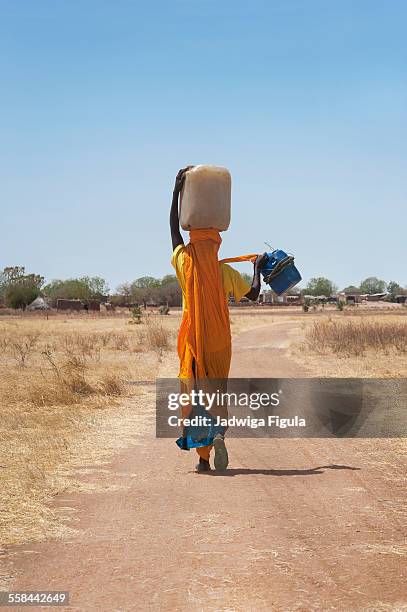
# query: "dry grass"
357,345
59,375
357,337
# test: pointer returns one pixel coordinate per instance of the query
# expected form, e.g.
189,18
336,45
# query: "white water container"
205,198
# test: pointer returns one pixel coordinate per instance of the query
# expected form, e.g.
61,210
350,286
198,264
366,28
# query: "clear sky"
304,101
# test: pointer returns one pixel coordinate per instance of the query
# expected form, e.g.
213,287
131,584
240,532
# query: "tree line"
370,286
18,289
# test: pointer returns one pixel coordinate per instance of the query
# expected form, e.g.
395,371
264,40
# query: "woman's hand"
180,178
260,261
174,219
253,294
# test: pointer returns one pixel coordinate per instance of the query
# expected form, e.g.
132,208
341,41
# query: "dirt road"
293,525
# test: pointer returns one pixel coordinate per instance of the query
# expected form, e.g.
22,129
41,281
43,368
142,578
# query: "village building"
38,304
64,304
352,297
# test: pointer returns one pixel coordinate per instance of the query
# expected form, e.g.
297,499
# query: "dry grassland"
63,391
365,345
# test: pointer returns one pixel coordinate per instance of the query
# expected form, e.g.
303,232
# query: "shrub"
111,385
158,337
23,346
136,314
20,296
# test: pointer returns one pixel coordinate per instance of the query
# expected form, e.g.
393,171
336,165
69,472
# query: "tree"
168,279
144,289
170,292
11,274
20,295
124,289
146,282
351,289
16,275
97,286
69,289
394,289
147,288
320,286
85,288
18,289
372,284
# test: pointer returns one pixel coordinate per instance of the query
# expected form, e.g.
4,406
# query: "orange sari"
204,340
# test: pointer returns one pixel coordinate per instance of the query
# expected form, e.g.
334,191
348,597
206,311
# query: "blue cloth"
199,435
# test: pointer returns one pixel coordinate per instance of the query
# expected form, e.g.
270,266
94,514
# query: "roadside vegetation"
356,337
63,391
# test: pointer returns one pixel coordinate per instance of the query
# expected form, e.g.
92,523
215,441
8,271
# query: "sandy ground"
292,525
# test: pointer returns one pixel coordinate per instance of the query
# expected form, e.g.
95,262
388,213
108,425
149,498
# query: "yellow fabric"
204,340
232,281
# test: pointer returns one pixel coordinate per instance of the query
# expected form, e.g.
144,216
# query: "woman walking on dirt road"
204,340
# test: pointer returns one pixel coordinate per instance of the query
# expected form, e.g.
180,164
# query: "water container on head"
206,198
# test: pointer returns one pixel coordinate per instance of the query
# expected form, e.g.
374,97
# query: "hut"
293,299
93,305
354,296
38,304
63,304
375,297
266,297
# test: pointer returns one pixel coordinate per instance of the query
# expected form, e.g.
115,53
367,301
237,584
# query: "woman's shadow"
308,472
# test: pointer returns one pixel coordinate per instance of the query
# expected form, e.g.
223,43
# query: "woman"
204,340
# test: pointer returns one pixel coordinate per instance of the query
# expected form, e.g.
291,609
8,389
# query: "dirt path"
293,525
261,352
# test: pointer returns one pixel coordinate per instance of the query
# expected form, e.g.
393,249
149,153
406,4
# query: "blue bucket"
279,271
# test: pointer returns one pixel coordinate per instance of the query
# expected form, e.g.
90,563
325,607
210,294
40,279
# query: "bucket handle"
272,249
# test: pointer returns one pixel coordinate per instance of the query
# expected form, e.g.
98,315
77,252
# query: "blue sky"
304,101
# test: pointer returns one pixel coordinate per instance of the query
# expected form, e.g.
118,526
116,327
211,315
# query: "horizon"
300,288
